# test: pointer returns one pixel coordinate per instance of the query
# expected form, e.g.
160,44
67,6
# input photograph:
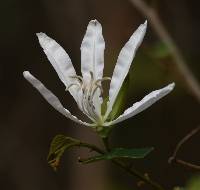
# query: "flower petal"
60,61
51,98
146,102
92,58
123,64
92,51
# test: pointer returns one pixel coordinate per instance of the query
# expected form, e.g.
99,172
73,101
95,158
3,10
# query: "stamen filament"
86,98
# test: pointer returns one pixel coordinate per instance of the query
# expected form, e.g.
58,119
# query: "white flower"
87,90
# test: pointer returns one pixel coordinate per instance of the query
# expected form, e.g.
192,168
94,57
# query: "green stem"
91,147
106,143
132,171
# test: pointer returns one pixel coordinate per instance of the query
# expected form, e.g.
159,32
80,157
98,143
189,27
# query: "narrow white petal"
92,51
51,98
146,102
60,61
123,64
92,57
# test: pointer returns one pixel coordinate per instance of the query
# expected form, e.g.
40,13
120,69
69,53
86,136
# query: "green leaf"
159,50
58,146
119,104
120,153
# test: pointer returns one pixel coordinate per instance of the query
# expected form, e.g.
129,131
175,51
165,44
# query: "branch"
174,156
60,143
132,171
191,82
137,174
187,164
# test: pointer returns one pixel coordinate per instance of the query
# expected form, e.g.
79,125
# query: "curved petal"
146,102
92,58
123,64
92,51
60,61
51,98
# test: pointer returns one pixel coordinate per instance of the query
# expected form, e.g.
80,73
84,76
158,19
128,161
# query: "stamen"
99,85
89,98
103,79
77,77
88,90
85,109
95,89
73,84
79,82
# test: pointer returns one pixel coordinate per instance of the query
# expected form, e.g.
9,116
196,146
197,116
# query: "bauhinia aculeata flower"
87,89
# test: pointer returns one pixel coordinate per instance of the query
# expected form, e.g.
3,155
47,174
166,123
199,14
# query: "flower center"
89,94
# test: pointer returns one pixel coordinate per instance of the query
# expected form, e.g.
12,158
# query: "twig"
137,174
152,16
186,138
179,145
187,164
132,171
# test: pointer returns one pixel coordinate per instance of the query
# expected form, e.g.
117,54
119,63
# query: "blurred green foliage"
193,183
159,50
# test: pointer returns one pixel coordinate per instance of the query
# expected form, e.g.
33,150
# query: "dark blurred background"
28,123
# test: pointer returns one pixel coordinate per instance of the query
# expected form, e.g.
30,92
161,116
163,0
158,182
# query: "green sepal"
119,104
104,105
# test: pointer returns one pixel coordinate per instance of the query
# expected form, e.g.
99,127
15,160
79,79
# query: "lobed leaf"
58,146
